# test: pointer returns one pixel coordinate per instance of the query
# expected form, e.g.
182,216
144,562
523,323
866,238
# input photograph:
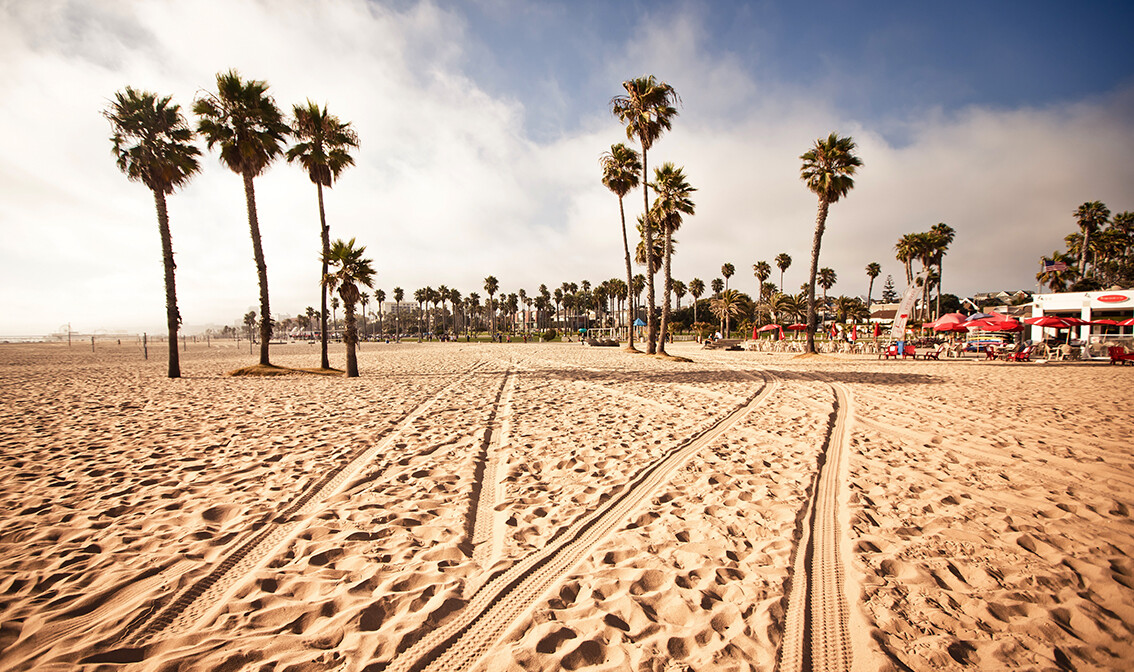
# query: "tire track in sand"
486,523
206,597
821,632
511,594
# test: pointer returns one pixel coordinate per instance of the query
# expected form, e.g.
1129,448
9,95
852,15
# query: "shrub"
550,335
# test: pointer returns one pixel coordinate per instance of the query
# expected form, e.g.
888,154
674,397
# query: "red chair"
1024,355
1118,355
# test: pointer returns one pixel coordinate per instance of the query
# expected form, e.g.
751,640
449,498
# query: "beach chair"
1024,355
989,352
1118,355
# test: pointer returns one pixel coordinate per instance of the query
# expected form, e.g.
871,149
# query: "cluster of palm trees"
153,143
929,248
1098,254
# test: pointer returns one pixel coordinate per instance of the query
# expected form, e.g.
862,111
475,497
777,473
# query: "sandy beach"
555,506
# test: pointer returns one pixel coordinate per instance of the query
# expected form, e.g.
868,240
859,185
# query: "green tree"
783,262
717,286
941,235
323,150
827,280
725,306
153,145
672,204
727,270
828,170
399,294
889,295
347,271
647,110
244,122
620,169
1061,274
762,271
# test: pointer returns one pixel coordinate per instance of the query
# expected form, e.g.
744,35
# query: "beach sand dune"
553,506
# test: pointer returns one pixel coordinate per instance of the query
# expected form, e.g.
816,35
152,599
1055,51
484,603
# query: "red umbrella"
1127,323
877,330
1109,323
769,327
796,327
1074,321
1047,321
996,325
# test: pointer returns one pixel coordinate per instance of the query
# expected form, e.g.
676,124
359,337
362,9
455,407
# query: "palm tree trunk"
869,291
351,338
651,324
820,224
172,316
665,293
629,271
261,268
1083,253
325,362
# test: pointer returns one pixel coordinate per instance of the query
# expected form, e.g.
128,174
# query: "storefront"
1116,305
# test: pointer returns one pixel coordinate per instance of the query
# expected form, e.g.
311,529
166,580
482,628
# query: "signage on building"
1111,298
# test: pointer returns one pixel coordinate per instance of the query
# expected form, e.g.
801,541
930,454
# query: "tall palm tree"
717,286
727,270
380,299
243,120
762,271
672,203
873,270
399,294
491,285
323,150
783,262
620,168
696,289
905,251
152,145
348,270
942,237
828,169
679,291
1091,216
647,110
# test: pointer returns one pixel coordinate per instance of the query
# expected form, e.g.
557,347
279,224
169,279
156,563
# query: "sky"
481,124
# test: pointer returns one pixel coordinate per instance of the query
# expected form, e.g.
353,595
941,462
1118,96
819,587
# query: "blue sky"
482,123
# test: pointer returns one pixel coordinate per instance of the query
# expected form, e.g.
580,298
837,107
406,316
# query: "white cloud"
449,187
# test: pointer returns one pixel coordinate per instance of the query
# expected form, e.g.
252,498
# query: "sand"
554,506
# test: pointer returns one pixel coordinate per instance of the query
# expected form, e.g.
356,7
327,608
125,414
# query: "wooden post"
145,347
184,344
92,343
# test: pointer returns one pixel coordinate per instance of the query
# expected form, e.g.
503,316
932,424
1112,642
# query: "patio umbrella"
796,327
1127,323
1046,321
1108,323
946,319
769,327
996,325
1074,321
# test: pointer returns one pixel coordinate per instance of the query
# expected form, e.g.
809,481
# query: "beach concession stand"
1098,311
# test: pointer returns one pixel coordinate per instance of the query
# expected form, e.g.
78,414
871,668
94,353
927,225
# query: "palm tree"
783,262
152,145
334,308
1091,216
696,289
873,270
672,202
647,111
762,271
323,151
380,299
349,271
717,286
941,236
827,170
905,251
491,284
725,306
243,120
679,290
399,294
827,280
620,167
727,270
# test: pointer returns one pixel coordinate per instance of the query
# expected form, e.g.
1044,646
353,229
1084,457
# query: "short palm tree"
725,306
243,120
323,151
347,271
826,280
873,270
783,262
717,286
672,204
828,169
727,270
647,110
620,174
152,145
399,294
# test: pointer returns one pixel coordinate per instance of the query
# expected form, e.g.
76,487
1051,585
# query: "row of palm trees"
929,248
153,143
1097,255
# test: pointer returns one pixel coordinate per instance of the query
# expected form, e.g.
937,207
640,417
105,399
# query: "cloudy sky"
482,122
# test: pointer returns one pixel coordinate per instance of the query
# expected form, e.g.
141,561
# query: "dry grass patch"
264,370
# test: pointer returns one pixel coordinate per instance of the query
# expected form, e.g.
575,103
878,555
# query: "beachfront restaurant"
1113,305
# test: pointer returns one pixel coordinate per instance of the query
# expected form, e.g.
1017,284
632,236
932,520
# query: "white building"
1117,305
